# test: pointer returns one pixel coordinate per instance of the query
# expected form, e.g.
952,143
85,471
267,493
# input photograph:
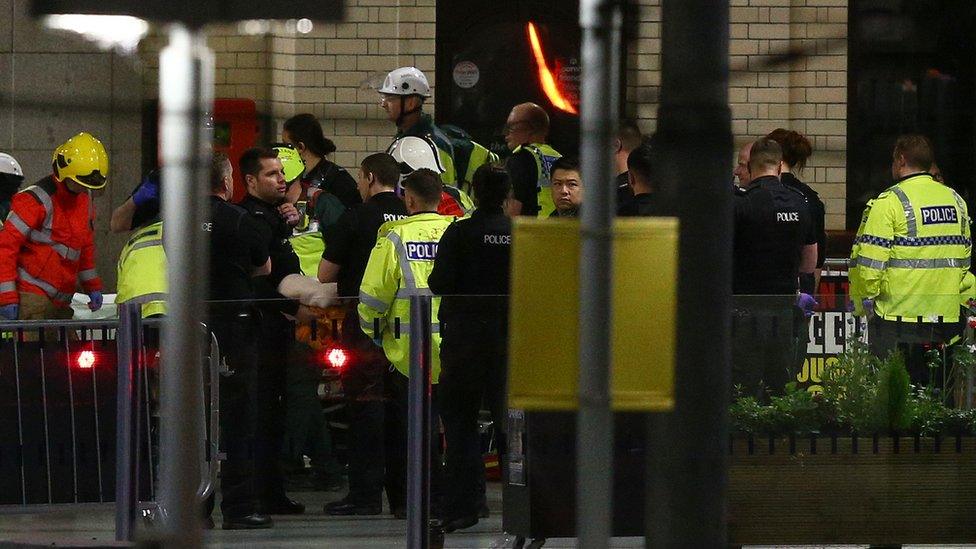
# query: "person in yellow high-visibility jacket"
910,260
398,268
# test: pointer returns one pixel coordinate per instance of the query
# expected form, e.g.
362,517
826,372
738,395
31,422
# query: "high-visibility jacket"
544,156
398,268
47,244
309,247
912,252
142,271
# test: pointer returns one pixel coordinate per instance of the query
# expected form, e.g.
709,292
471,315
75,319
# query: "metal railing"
77,405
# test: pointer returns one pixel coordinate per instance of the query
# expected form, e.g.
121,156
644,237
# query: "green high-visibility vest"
544,156
309,247
398,268
142,271
912,252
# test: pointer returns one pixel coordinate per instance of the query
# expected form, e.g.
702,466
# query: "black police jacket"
473,260
284,261
772,224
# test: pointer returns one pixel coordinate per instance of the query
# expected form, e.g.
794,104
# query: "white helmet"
414,153
9,165
406,81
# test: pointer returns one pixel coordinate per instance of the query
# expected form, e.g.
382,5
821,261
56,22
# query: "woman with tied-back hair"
796,150
304,132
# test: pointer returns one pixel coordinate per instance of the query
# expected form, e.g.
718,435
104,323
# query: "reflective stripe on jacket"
912,252
398,268
544,156
142,271
47,244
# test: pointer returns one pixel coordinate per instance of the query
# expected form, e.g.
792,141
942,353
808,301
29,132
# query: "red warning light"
336,358
86,360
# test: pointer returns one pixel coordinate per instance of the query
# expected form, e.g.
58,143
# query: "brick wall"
808,95
332,72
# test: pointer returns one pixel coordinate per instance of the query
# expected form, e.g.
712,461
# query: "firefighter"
316,214
275,217
402,94
47,244
11,177
348,246
772,244
398,268
911,257
414,153
526,132
306,432
237,254
473,260
304,132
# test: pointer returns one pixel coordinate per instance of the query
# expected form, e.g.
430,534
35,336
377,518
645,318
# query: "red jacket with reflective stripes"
47,244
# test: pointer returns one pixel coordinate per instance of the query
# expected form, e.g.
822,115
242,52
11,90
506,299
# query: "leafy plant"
864,393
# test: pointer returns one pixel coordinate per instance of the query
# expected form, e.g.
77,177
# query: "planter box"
871,490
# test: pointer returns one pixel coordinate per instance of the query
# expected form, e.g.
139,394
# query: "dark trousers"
276,338
363,385
474,355
305,430
238,412
911,339
397,414
764,343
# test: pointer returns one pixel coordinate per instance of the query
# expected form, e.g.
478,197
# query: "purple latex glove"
868,306
806,302
146,191
96,300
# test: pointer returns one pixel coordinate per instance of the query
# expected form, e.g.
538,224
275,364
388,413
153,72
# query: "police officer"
237,253
398,268
348,245
264,180
911,257
472,273
526,132
772,235
642,201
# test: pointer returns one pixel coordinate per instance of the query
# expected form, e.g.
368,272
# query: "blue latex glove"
147,191
806,302
96,300
868,306
10,312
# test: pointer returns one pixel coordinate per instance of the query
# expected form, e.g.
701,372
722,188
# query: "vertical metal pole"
186,72
127,416
600,90
694,152
418,425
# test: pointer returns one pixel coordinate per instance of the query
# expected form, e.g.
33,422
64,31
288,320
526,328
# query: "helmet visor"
94,180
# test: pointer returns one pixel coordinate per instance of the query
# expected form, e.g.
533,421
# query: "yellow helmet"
291,161
83,160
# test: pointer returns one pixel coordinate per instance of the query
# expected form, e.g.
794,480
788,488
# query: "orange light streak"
546,77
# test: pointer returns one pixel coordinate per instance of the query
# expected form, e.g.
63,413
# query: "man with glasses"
47,244
526,132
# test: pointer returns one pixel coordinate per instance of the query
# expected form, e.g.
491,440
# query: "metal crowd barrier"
77,402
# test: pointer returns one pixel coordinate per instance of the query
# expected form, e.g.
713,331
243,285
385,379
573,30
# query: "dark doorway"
912,66
486,65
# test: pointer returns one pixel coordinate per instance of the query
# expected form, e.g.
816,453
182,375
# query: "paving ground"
94,523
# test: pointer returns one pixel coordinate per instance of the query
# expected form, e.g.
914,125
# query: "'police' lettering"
934,215
421,251
500,239
393,217
787,217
